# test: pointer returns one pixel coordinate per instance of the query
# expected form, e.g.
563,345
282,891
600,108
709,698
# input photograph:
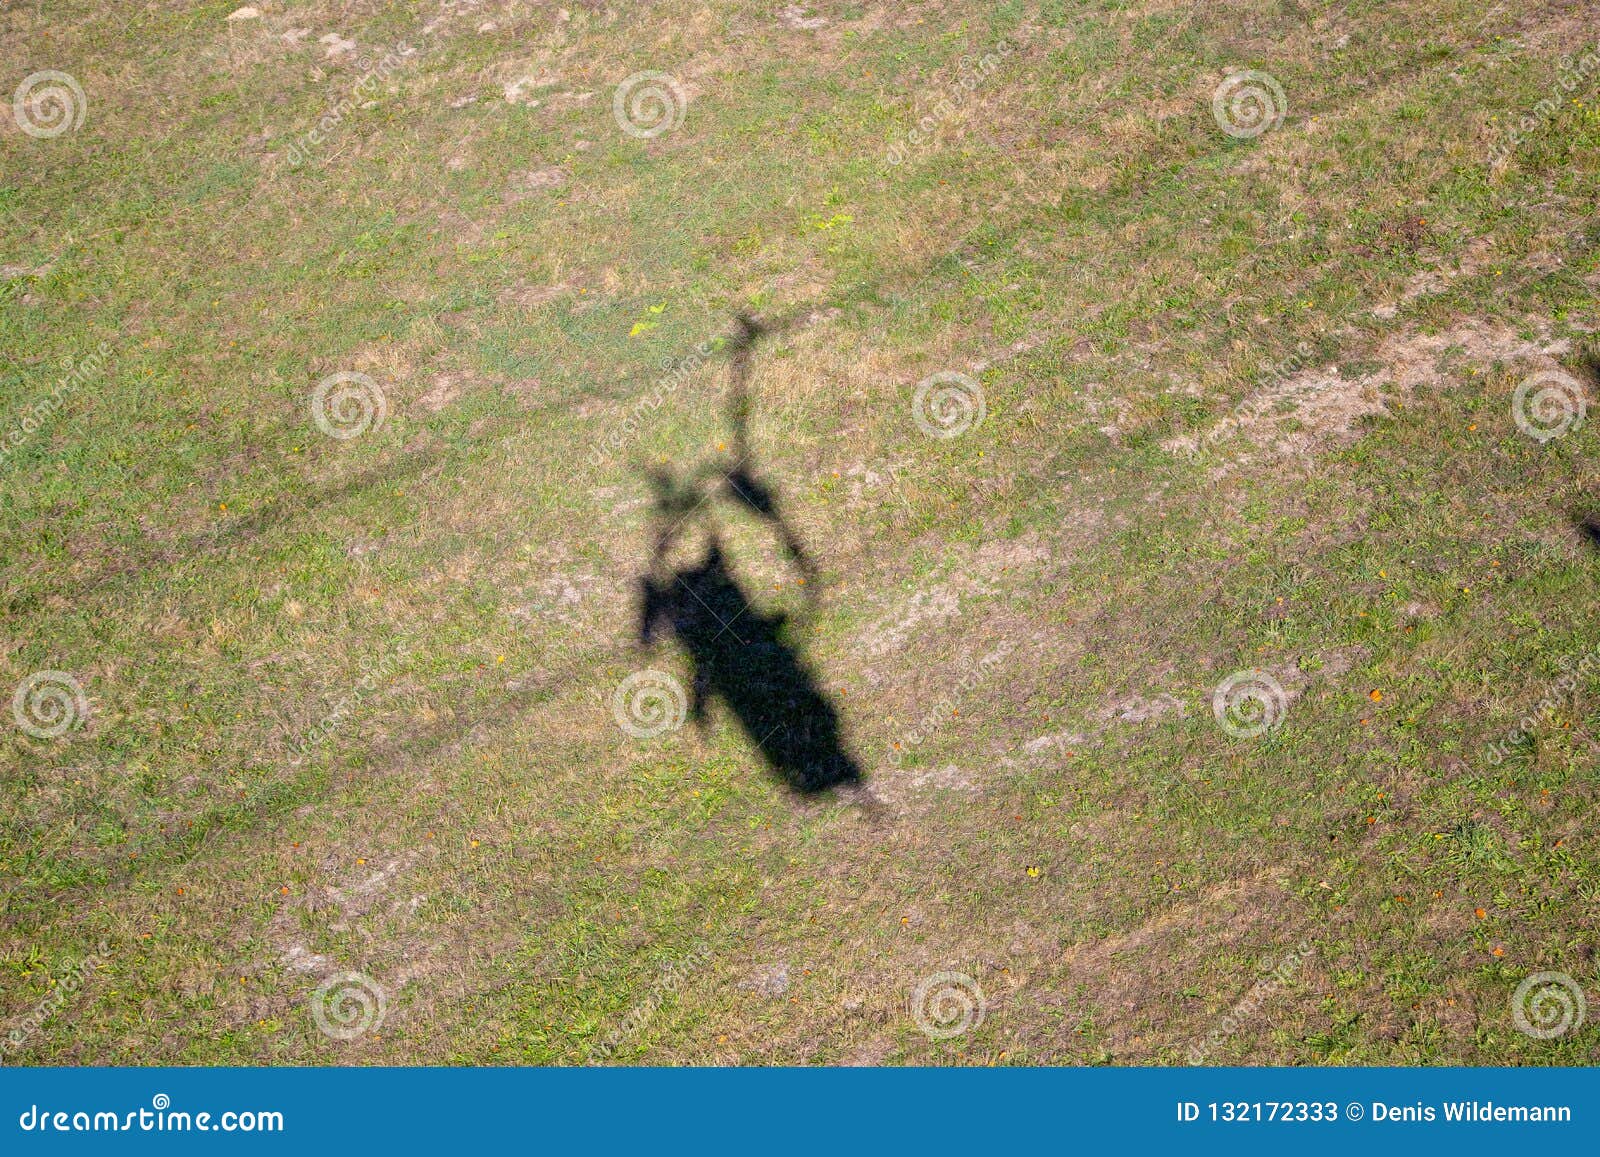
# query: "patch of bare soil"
446,388
795,17
968,574
525,296
380,910
579,600
901,789
1437,278
1313,408
1132,710
533,182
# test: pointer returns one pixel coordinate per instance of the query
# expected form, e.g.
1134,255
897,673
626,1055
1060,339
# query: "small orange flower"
1498,951
1480,913
1375,695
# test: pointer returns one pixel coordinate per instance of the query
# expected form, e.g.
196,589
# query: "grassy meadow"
1226,685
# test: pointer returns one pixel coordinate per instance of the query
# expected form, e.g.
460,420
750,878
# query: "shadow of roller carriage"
743,657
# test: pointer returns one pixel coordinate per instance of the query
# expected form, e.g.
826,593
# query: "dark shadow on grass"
742,656
1589,526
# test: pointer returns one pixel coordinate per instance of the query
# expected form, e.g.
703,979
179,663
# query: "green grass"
480,838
